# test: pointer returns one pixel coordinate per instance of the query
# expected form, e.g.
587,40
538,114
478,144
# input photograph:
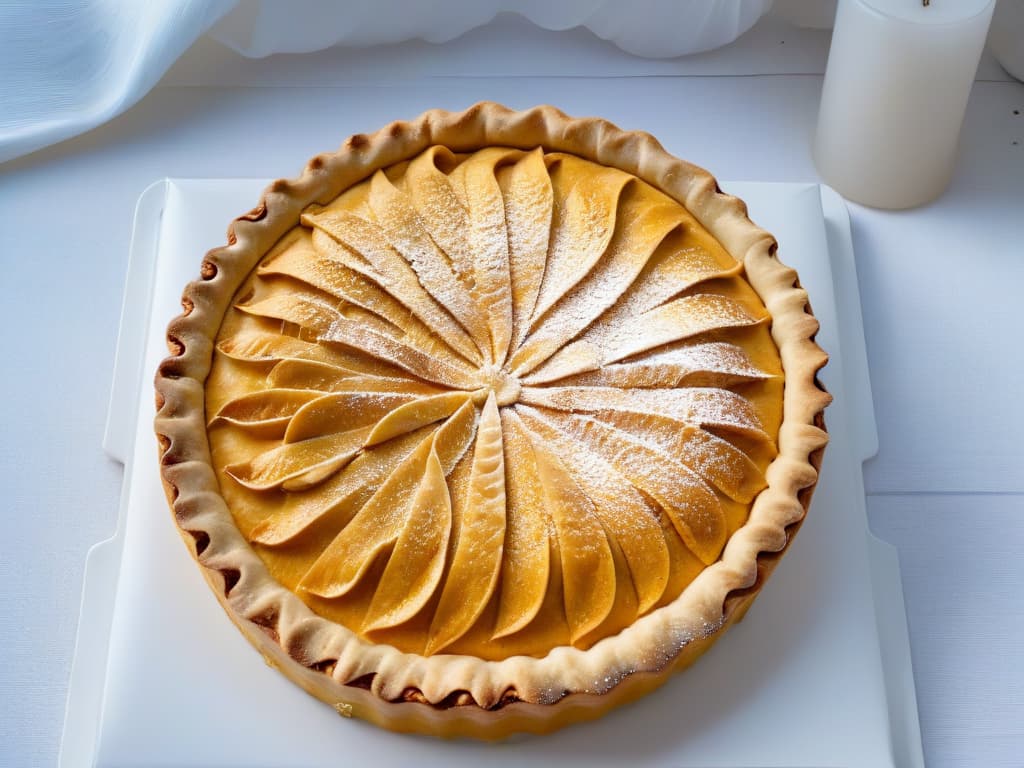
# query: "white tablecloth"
940,288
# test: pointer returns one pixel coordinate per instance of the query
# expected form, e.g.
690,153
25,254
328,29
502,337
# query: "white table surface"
940,288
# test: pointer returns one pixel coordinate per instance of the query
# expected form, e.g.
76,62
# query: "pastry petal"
261,347
676,267
588,568
529,203
443,214
712,364
342,412
487,236
295,466
680,319
308,374
415,414
689,502
526,565
583,223
628,519
648,218
363,247
264,414
358,336
373,531
476,563
437,273
336,279
340,497
717,461
414,569
700,406
303,311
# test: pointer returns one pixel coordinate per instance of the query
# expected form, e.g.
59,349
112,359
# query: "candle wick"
926,3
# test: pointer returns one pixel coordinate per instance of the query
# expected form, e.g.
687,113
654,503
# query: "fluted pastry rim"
460,695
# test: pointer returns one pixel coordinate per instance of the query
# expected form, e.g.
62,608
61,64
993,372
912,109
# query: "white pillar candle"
896,87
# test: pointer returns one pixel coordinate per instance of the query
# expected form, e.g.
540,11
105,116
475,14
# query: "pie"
490,420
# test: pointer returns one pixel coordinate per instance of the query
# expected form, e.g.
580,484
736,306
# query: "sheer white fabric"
69,65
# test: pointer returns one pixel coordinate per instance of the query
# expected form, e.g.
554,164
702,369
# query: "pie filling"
492,404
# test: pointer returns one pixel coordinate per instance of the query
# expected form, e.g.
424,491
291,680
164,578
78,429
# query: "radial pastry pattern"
492,414
493,403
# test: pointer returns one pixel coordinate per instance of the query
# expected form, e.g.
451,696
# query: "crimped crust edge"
463,695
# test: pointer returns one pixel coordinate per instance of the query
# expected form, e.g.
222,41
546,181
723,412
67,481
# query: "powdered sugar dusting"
443,211
629,520
691,504
552,295
408,236
673,269
363,247
679,319
701,406
528,210
338,280
583,224
526,564
635,240
489,240
712,364
357,336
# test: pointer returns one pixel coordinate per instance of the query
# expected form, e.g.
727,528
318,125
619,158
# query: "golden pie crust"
490,420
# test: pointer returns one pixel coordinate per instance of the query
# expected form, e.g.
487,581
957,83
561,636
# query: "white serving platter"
818,674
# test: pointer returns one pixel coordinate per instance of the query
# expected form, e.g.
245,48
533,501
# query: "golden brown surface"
464,695
493,404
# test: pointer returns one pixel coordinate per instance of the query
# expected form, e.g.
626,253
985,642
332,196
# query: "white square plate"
816,675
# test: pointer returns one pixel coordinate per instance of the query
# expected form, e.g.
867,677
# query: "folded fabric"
69,65
66,67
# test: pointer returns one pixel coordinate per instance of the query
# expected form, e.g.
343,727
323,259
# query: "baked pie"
490,420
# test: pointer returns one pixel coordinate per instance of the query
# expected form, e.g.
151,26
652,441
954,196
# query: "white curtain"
69,65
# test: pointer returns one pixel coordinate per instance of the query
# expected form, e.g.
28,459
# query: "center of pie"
505,386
